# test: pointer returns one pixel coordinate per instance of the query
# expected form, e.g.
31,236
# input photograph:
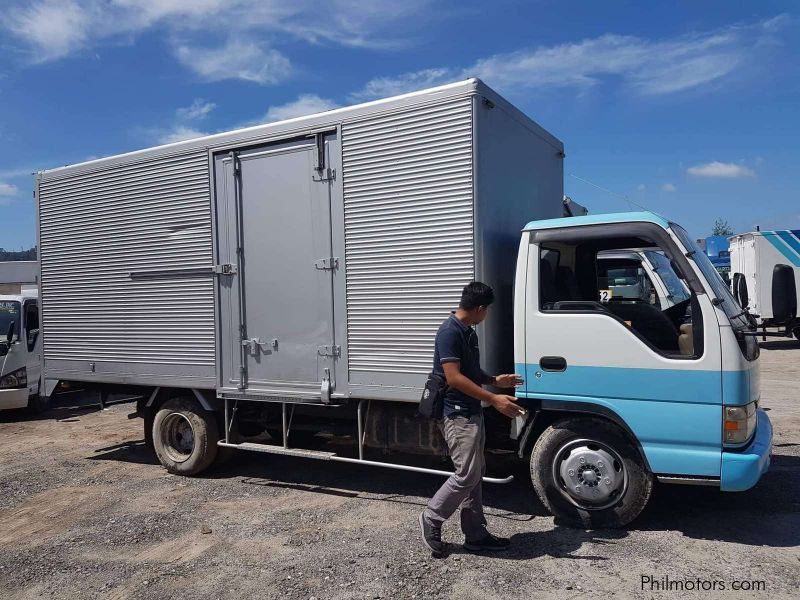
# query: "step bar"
285,450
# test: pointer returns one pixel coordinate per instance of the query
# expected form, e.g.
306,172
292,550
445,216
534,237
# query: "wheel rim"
590,474
178,437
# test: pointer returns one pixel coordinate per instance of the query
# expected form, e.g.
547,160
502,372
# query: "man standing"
456,357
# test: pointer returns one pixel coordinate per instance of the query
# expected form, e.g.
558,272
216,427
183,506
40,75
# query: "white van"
20,351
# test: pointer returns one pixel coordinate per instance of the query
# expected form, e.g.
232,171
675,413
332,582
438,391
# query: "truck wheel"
797,332
587,473
185,436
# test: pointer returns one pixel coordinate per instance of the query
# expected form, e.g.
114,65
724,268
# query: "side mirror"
10,333
784,294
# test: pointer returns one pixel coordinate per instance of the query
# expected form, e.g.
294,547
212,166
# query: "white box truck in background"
20,351
754,257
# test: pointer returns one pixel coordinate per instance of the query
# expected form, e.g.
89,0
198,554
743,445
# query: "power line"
610,192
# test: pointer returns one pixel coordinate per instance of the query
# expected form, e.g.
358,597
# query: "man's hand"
507,405
508,381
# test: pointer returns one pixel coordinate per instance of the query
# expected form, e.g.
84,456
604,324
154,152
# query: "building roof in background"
19,271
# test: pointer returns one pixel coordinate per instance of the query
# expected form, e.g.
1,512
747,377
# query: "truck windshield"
9,312
661,265
714,279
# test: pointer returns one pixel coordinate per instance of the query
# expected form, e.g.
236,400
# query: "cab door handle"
553,363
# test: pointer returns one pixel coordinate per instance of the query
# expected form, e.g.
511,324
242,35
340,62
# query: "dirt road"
86,512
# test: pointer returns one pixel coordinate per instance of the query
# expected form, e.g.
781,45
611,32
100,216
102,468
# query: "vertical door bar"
237,200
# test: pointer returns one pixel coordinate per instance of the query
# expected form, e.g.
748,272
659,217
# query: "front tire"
185,436
589,475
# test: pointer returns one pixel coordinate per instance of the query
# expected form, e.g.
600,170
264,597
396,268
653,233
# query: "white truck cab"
20,351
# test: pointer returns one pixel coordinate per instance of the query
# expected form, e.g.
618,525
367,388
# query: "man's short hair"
476,294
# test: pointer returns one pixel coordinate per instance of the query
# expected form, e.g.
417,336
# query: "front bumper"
742,470
16,398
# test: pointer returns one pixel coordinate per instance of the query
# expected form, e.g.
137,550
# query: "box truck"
276,285
20,351
754,256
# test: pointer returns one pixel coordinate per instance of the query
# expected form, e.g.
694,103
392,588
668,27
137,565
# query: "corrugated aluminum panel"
408,198
96,228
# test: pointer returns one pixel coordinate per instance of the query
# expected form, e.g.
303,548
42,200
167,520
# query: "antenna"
610,192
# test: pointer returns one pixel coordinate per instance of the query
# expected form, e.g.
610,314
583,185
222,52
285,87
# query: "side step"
268,449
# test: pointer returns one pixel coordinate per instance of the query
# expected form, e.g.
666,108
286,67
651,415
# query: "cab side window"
615,277
31,324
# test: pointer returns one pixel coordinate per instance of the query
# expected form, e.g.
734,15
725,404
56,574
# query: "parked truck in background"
272,287
754,258
717,248
20,351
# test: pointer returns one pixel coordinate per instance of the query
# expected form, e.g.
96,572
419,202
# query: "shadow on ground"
787,344
767,515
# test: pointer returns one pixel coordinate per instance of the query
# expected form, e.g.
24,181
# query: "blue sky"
686,108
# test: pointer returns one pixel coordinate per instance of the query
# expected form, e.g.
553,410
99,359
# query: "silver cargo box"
310,259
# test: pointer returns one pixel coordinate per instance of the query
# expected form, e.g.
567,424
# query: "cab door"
624,360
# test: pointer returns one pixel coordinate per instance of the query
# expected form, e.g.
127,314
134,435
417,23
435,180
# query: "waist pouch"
431,404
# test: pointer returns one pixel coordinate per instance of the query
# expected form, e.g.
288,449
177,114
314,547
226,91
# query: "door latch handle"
553,363
253,345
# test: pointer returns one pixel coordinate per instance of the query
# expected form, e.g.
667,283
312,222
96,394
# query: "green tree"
721,227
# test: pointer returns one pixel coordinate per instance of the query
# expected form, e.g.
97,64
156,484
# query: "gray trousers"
466,438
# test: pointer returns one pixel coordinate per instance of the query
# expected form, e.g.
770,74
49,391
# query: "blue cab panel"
677,437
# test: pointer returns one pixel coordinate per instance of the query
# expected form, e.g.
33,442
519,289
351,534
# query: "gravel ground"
86,512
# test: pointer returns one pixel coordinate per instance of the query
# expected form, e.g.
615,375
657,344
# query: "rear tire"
589,475
185,436
797,333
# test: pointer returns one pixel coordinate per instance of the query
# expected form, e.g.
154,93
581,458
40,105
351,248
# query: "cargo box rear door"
275,290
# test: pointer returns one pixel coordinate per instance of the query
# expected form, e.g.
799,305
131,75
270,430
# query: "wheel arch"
548,412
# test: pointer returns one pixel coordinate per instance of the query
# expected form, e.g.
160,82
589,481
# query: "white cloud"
669,187
721,169
644,67
51,29
199,109
179,133
8,189
306,104
381,87
237,59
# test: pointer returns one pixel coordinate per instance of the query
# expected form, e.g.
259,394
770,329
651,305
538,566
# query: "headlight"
16,379
739,423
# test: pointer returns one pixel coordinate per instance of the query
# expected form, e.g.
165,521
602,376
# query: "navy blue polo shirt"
458,342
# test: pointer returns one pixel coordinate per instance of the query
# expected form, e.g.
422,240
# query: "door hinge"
327,264
324,175
334,351
237,167
226,269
